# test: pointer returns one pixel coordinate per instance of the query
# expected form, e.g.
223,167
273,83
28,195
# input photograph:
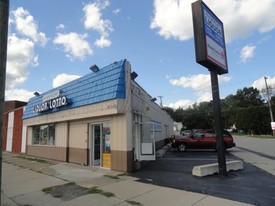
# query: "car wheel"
182,147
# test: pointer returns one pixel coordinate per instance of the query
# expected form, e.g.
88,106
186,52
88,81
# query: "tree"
250,110
247,110
179,113
199,116
169,111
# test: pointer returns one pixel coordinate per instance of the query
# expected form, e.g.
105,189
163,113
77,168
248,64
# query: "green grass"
118,176
108,194
255,136
133,202
112,177
47,190
95,190
261,136
33,159
125,174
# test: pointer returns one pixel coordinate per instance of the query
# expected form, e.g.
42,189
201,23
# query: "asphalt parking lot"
250,185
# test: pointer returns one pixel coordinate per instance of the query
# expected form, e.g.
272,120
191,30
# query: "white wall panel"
10,132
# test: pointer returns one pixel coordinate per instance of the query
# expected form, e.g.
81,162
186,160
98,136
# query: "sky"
53,42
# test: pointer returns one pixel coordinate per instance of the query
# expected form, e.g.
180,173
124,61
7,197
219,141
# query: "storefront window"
44,135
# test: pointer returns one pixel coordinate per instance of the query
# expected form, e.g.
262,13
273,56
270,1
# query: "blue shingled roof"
106,84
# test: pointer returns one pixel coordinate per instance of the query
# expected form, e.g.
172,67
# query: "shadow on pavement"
250,185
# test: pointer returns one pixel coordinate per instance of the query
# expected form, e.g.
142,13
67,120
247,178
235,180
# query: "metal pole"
160,97
218,123
269,104
4,22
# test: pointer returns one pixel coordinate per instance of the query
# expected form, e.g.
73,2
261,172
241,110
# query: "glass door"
101,145
97,143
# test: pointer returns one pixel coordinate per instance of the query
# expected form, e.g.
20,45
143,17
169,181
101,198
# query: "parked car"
185,132
201,139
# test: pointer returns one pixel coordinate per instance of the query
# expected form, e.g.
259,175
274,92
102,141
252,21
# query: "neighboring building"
177,128
14,135
101,119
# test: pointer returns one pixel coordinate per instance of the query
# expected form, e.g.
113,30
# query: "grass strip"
133,202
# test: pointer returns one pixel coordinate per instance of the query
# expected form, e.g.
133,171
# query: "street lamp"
269,104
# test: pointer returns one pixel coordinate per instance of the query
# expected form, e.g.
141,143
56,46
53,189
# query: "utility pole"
4,23
160,97
269,104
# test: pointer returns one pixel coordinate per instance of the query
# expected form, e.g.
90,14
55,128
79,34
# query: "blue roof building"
106,84
102,119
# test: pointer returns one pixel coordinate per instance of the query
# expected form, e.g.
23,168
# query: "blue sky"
53,42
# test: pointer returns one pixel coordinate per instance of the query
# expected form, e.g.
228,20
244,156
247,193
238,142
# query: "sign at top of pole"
209,38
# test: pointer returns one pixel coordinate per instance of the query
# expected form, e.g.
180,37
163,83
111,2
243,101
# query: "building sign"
209,38
52,95
51,101
156,126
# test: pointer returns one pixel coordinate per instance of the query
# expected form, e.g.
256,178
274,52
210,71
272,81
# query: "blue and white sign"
51,101
214,37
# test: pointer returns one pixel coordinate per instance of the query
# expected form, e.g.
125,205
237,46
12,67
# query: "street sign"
209,38
211,53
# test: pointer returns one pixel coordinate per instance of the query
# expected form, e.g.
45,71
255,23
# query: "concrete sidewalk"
23,180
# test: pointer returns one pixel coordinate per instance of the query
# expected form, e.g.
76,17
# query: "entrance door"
101,145
147,141
144,139
97,142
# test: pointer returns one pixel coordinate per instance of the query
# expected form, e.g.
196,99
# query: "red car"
201,139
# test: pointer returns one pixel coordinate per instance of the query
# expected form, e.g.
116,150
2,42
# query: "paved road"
253,185
259,145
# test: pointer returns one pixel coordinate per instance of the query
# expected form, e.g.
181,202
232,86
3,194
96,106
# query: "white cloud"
183,103
26,26
60,26
201,84
63,79
103,42
93,20
260,83
74,45
18,94
196,82
21,54
20,57
247,53
116,11
173,18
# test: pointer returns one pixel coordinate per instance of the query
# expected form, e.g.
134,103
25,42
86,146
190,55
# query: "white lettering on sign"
54,103
213,24
50,96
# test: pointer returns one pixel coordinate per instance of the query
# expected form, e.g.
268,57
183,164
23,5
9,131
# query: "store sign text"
51,104
215,44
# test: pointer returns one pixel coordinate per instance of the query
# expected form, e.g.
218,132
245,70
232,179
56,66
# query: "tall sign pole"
4,22
218,123
269,105
211,53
